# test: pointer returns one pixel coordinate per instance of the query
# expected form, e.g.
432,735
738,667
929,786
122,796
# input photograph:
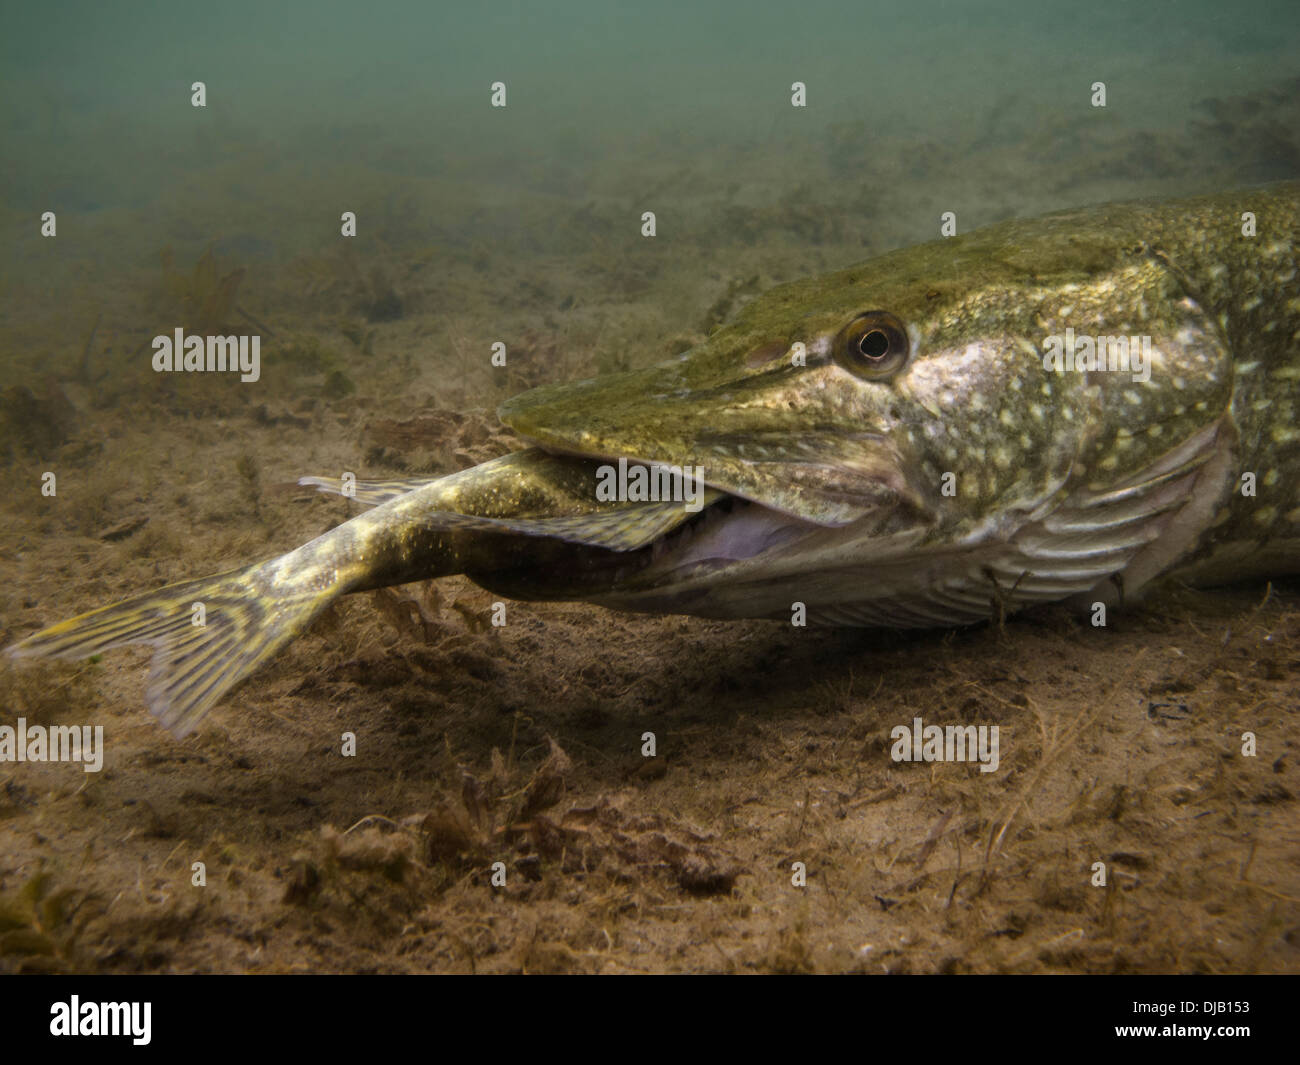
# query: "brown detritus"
38,929
440,440
409,613
379,301
124,528
84,369
37,423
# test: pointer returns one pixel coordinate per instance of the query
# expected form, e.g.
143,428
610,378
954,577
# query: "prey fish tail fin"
199,654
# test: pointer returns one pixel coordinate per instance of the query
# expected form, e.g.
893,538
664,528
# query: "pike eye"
873,345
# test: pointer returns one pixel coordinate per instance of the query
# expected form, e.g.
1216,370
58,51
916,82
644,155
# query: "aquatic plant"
203,298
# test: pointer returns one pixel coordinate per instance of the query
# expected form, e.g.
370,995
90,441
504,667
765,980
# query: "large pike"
1057,409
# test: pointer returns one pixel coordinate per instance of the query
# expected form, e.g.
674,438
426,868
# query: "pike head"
895,443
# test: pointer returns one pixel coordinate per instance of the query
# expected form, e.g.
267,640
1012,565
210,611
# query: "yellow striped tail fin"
244,621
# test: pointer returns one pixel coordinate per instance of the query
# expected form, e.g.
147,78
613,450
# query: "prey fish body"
1057,409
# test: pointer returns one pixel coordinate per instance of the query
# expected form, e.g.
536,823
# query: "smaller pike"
905,443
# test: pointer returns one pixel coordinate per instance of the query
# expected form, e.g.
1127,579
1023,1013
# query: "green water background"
529,217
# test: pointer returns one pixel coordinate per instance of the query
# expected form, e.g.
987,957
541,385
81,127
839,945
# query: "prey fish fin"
369,493
245,622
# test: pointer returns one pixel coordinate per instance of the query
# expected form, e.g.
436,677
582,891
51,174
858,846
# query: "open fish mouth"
769,484
730,530
771,480
641,545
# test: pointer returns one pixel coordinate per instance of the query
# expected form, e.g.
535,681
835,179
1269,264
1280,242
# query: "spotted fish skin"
1231,268
941,465
1250,285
